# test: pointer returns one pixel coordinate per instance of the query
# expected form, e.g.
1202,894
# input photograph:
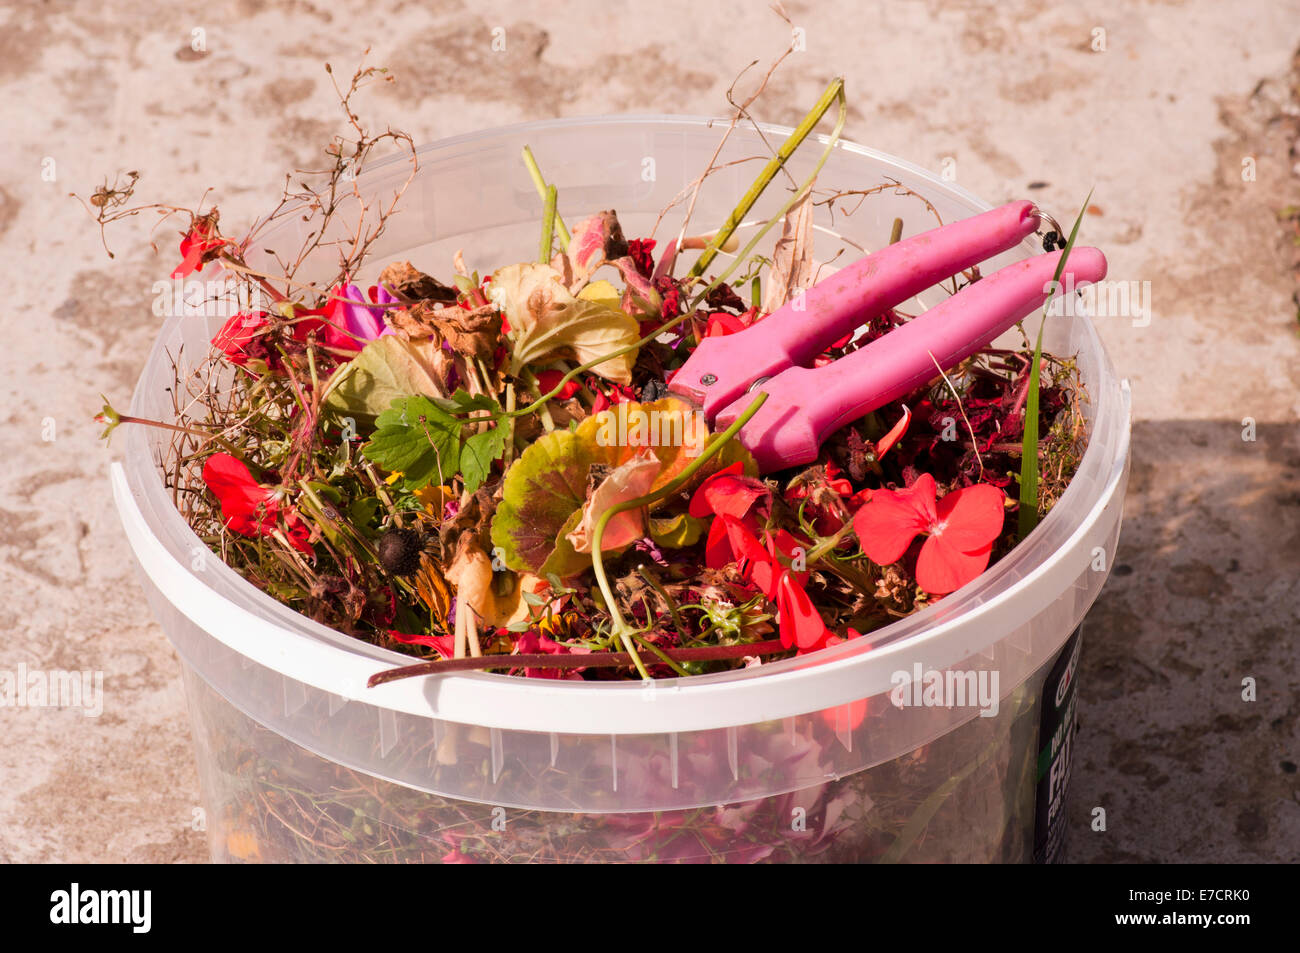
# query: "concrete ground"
1184,115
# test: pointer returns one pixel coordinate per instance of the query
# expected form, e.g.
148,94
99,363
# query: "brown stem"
592,660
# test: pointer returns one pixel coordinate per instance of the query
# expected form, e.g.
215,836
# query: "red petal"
547,381
234,487
758,566
941,568
722,324
836,481
717,548
801,625
894,435
190,263
922,494
445,644
974,516
235,335
886,525
727,492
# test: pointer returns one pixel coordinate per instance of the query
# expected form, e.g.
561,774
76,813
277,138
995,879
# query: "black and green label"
1055,752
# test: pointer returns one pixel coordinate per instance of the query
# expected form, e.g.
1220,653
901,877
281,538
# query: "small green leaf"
362,515
678,531
477,454
417,438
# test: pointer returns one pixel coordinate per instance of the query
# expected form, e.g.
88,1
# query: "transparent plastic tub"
301,762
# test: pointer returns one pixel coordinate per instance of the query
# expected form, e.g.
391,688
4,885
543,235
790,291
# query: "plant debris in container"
496,464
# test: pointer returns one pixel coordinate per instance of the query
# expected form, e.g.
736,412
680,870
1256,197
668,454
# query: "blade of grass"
535,172
548,225
1028,514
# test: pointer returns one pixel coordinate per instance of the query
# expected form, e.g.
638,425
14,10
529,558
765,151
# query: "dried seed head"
399,551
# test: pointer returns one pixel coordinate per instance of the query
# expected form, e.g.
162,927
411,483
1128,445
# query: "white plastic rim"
1019,588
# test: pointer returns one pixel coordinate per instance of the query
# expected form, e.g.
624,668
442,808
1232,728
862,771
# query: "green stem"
508,422
548,225
671,603
663,656
799,193
540,183
834,91
621,627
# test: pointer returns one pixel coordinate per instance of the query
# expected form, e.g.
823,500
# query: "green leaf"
564,560
417,438
387,369
477,454
1027,517
362,515
463,402
542,489
678,531
549,481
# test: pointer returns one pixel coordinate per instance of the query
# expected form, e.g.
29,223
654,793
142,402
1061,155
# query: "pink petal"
626,482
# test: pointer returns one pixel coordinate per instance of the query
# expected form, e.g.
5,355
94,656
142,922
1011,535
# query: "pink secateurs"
805,405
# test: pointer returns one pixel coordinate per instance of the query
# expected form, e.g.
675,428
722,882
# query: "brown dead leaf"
791,270
475,333
406,281
432,588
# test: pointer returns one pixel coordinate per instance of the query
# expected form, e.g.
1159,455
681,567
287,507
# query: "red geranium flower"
199,245
727,493
248,507
237,334
617,394
721,323
800,623
961,529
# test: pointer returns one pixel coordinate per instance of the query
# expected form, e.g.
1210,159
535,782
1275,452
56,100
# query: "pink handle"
722,369
806,405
